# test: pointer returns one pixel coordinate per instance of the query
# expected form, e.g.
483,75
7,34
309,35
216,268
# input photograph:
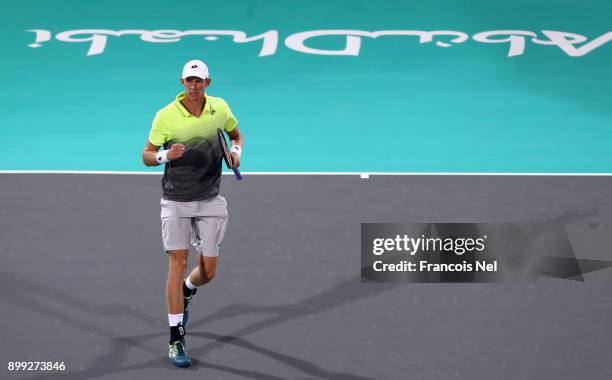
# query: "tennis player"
192,211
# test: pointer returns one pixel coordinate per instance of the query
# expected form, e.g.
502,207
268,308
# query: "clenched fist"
176,151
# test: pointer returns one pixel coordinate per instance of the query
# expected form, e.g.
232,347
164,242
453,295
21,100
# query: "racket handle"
237,174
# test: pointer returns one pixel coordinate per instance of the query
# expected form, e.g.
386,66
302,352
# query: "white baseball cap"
195,68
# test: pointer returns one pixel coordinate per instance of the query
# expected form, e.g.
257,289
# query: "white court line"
361,174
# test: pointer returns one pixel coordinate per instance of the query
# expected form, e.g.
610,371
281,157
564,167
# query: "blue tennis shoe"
176,353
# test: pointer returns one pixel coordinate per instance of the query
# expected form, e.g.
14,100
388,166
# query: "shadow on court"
29,294
83,278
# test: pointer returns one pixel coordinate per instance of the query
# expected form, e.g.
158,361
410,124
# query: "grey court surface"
82,277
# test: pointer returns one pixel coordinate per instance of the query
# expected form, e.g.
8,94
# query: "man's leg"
177,266
204,272
175,235
200,275
207,230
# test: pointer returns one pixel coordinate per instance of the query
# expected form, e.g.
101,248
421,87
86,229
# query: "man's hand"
236,139
176,151
235,160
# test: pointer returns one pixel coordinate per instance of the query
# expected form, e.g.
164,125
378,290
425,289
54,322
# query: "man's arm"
150,150
236,139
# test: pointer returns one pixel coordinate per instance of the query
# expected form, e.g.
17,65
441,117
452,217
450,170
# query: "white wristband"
162,157
236,149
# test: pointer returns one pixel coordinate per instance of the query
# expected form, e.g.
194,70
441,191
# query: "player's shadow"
121,346
112,361
297,363
29,294
347,291
25,293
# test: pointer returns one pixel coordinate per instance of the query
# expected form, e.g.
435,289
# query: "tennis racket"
227,157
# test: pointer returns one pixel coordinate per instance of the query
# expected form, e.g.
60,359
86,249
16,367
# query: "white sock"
175,319
189,284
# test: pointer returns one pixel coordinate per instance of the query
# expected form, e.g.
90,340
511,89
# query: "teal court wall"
387,86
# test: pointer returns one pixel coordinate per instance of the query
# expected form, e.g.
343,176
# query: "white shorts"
201,223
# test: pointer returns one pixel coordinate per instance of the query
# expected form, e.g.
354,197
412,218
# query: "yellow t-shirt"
197,174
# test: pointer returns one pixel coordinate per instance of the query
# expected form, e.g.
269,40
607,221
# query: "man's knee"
210,273
208,267
178,261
